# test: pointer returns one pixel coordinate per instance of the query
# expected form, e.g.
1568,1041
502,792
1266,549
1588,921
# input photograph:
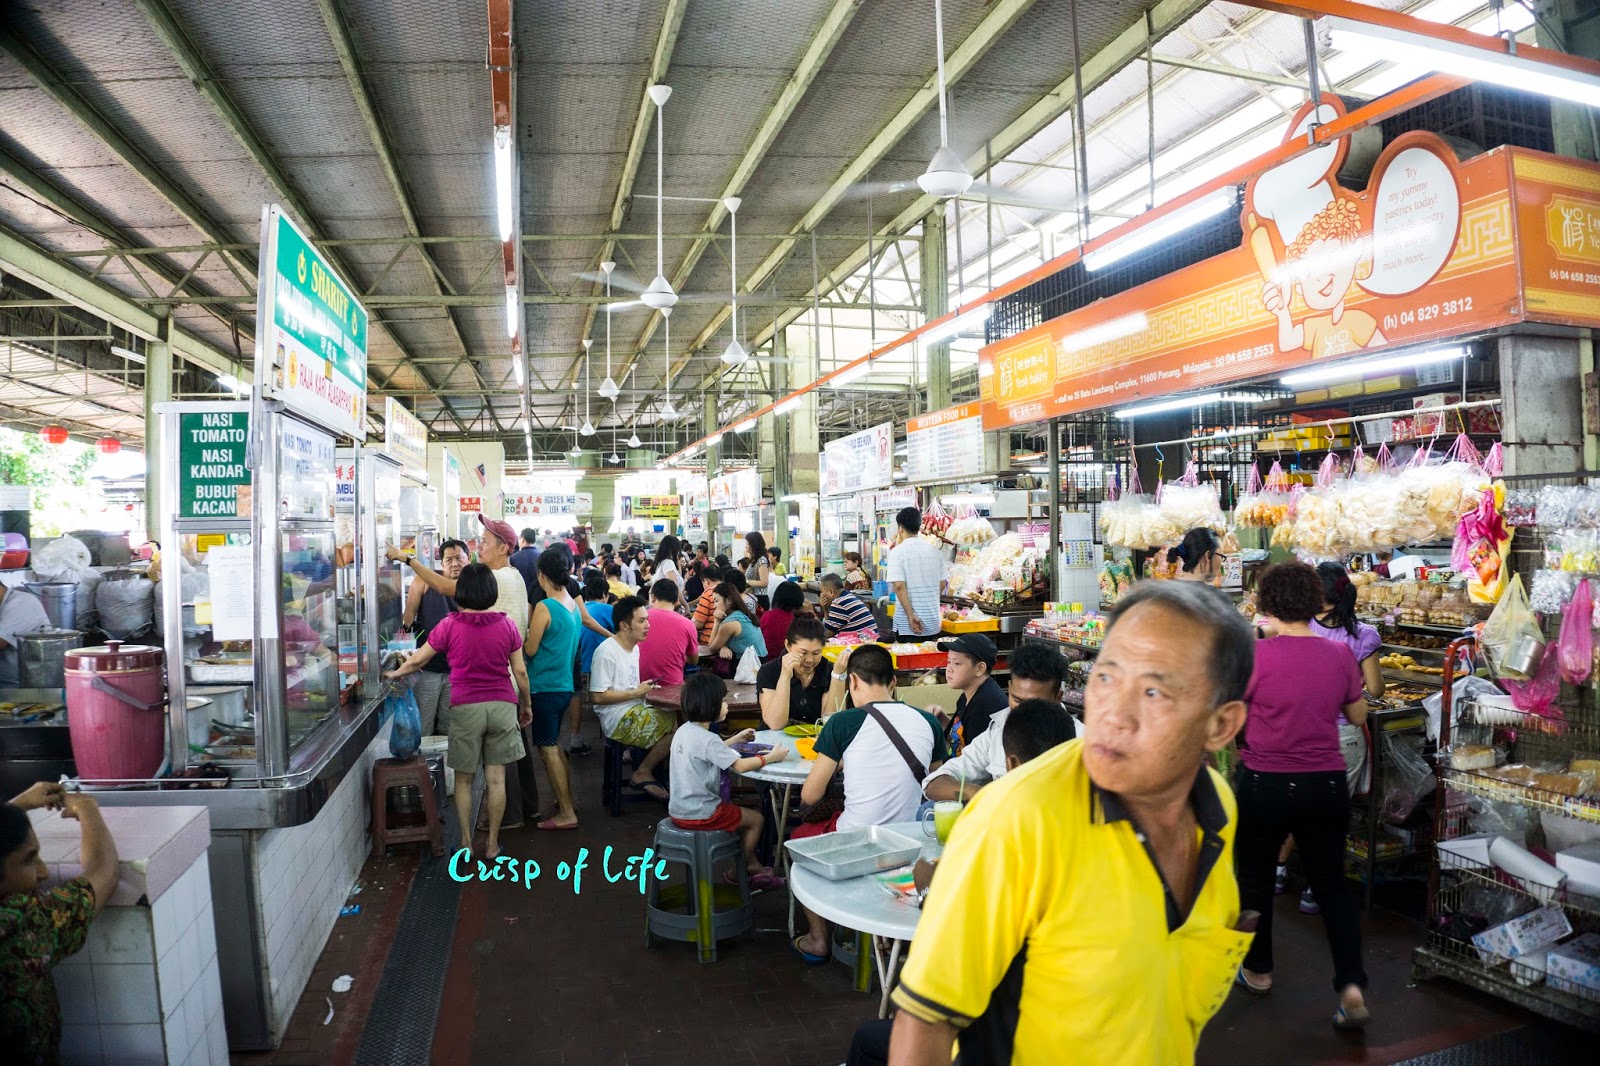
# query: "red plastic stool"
398,773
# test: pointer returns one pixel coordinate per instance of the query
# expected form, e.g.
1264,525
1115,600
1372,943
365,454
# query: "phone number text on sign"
1427,313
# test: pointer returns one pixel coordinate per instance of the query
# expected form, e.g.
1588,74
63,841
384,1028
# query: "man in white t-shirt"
619,694
916,571
882,782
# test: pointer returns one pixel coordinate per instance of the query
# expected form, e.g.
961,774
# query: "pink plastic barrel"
116,711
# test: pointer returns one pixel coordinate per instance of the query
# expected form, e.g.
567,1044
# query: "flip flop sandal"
767,881
1355,1018
551,825
806,956
652,789
1255,990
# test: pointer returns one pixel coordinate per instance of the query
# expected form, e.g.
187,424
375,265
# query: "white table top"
859,903
792,771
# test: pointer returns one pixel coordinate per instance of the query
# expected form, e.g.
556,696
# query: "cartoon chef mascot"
1311,236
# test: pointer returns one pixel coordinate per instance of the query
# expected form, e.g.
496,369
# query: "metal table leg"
886,973
864,950
781,862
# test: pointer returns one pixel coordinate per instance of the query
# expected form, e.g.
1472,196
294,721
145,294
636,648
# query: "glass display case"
419,521
840,525
205,584
347,464
383,582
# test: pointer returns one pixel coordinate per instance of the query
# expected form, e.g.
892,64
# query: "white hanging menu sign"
232,593
946,444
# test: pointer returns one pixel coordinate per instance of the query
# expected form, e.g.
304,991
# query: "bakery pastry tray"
849,853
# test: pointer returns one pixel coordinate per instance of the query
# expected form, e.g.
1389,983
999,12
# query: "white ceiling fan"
947,176
668,413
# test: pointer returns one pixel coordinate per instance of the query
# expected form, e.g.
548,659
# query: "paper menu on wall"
232,593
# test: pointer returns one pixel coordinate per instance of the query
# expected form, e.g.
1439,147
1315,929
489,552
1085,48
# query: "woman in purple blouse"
1292,779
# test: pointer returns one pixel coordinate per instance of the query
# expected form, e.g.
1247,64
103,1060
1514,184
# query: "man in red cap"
499,540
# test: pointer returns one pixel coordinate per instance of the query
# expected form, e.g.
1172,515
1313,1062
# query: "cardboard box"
1312,396
1378,431
1519,936
1581,864
1430,424
1345,390
1403,429
1392,383
1575,966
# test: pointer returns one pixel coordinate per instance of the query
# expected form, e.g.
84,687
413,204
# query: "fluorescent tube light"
714,439
513,311
516,368
1186,402
1383,365
232,384
1464,61
788,405
1038,470
747,424
796,497
1116,329
850,376
502,180
127,353
1160,230
960,324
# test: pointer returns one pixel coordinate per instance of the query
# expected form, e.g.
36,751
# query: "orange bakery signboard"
1433,248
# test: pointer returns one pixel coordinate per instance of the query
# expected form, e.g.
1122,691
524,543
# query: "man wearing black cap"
972,658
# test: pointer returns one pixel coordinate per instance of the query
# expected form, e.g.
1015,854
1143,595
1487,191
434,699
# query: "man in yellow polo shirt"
1086,909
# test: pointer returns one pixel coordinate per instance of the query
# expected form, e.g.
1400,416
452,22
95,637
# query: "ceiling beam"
816,55
1002,15
27,260
59,88
660,61
33,184
186,55
349,61
463,239
1128,45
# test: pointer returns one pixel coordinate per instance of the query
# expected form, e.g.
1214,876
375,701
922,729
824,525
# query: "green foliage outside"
63,496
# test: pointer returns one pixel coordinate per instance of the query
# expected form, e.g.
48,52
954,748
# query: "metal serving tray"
855,852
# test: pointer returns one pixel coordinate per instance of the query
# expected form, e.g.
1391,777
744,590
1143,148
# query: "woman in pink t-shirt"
484,649
1292,780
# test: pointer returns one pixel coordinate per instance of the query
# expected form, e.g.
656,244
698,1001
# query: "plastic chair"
390,774
703,909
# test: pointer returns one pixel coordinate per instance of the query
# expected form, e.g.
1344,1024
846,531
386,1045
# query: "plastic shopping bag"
1538,694
1511,623
1575,647
406,735
749,666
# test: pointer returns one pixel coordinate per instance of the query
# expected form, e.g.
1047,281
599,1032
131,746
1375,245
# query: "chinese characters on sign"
550,503
739,490
471,504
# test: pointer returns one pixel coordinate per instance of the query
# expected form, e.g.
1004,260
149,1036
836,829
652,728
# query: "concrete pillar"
804,438
1542,416
1577,32
935,283
782,480
709,423
157,389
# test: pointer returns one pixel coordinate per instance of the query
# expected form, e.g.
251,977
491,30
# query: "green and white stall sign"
211,463
317,346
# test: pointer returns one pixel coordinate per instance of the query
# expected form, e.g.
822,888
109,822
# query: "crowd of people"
1104,887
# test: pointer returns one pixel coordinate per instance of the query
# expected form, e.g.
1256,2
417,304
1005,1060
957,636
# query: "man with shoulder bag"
884,748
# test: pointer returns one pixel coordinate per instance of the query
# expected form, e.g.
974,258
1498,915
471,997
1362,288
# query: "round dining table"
791,773
862,904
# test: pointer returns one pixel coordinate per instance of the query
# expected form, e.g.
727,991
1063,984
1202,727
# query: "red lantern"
108,445
54,434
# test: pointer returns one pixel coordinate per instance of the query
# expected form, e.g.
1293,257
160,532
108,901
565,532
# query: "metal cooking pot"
41,656
60,599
